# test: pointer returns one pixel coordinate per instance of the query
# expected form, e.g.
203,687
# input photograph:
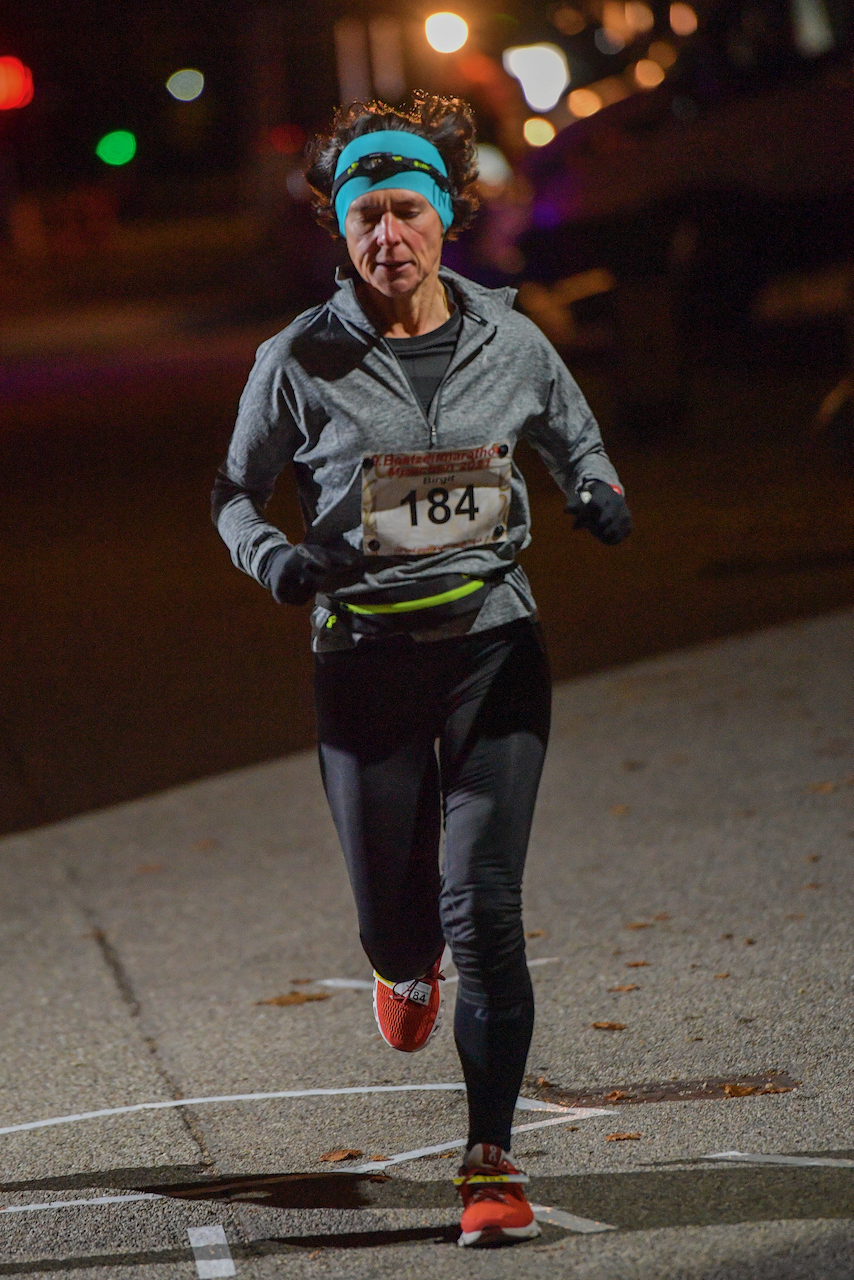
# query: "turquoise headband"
398,144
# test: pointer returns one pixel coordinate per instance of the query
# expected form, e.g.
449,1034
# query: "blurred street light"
542,71
186,85
538,132
584,102
568,20
648,73
116,148
683,19
662,53
639,16
608,42
16,84
493,169
446,32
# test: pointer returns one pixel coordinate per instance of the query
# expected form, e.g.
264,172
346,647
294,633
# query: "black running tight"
381,708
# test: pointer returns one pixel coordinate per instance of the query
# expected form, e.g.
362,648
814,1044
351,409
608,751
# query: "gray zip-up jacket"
328,391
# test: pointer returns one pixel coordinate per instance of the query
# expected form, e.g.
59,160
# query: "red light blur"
287,139
16,84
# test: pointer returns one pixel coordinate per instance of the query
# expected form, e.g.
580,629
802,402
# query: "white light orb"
186,85
538,132
541,70
493,169
446,32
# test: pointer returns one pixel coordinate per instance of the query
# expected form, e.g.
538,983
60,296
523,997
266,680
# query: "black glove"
295,573
605,514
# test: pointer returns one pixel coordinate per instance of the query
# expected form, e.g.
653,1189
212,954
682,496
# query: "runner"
398,404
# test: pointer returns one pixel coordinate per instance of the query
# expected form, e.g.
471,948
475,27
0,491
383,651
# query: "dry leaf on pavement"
297,997
619,810
812,885
626,986
750,1090
721,975
536,933
344,1153
636,964
640,924
609,1026
822,788
622,1137
616,1095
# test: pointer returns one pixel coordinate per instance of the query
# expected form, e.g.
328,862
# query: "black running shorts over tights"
381,709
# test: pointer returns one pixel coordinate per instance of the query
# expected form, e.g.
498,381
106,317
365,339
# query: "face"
394,238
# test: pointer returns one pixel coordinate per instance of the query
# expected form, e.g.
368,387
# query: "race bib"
418,503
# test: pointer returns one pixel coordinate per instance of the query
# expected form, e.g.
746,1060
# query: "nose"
388,229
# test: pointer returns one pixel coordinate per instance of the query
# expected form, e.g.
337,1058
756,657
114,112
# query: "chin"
394,287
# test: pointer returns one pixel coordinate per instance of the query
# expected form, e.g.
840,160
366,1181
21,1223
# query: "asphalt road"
134,657
689,882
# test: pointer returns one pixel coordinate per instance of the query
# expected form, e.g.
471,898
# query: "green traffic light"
116,148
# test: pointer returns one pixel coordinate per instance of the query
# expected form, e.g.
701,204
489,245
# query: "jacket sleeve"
566,435
265,438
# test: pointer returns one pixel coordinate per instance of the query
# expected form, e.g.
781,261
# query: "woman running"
398,404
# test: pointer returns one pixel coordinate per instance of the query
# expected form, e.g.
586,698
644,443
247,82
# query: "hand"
601,509
295,573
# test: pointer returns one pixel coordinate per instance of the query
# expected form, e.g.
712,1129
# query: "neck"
409,315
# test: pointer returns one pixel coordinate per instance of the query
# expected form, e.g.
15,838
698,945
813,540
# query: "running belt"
406,608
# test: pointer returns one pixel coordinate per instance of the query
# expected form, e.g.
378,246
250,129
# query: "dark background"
714,344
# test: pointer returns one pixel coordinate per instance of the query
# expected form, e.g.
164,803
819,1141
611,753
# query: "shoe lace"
488,1192
410,987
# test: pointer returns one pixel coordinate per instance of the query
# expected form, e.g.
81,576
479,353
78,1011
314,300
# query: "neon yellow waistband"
426,602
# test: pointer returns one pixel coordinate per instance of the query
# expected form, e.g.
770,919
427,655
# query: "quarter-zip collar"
482,310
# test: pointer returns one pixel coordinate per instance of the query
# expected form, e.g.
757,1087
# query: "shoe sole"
493,1237
436,1025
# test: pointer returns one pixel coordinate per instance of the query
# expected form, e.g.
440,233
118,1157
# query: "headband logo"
380,165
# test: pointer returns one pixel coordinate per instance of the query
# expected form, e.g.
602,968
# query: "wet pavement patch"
717,1088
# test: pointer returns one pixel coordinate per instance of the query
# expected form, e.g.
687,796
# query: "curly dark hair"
446,122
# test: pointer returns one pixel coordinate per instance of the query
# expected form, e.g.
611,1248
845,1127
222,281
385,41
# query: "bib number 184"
438,505
421,503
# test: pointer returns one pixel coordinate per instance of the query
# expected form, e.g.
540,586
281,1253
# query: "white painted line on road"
569,1222
226,1097
570,1113
534,1104
71,1204
250,1097
824,1162
211,1252
362,984
357,984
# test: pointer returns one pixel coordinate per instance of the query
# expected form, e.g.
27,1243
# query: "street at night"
201,997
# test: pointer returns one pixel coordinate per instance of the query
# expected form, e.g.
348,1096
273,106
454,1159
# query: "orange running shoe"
495,1209
408,1013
